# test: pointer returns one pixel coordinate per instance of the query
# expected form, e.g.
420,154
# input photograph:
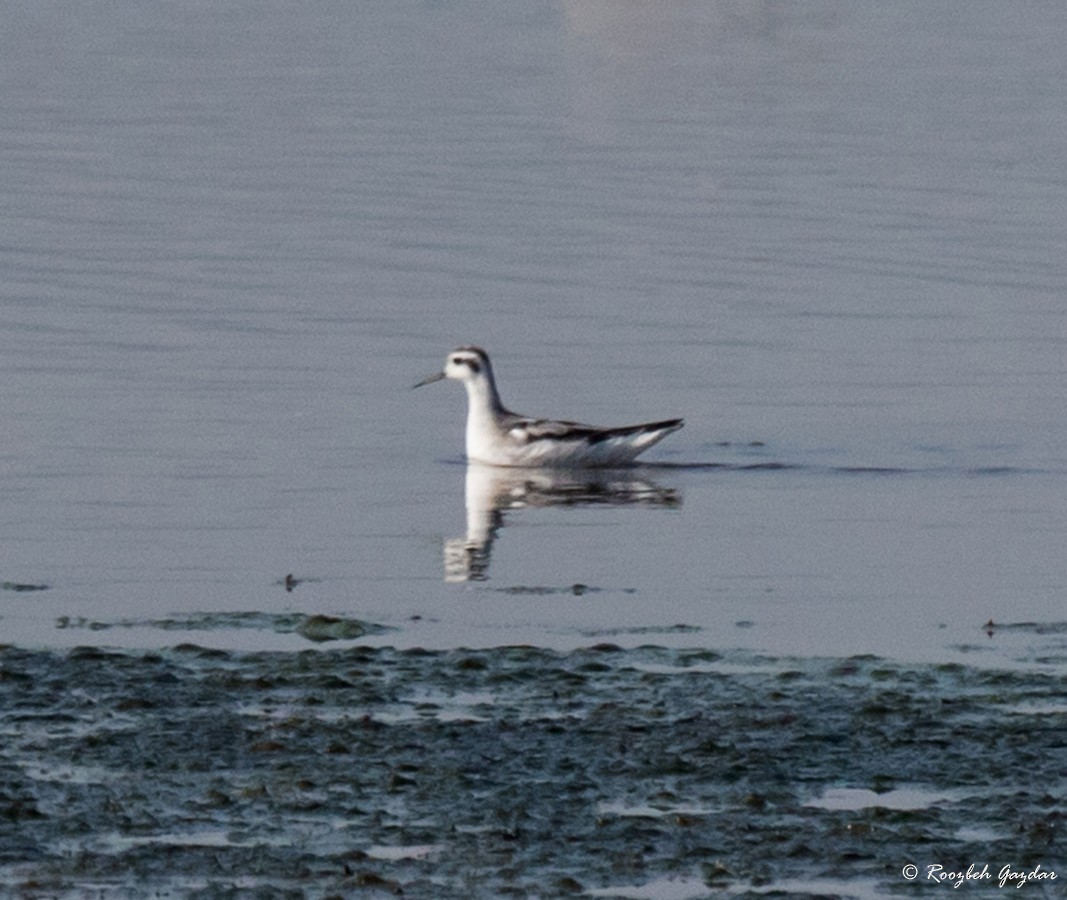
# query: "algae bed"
519,772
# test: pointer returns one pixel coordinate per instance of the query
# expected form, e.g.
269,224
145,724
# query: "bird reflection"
493,491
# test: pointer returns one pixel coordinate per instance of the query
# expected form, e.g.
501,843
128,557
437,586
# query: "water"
233,240
830,235
650,773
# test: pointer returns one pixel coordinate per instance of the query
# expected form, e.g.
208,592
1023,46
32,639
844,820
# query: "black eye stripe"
471,364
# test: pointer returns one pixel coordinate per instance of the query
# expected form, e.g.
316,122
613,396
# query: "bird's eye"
456,361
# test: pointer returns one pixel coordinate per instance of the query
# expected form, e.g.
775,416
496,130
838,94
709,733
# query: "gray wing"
527,430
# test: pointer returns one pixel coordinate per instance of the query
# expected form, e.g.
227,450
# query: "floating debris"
537,590
314,627
330,628
21,587
290,582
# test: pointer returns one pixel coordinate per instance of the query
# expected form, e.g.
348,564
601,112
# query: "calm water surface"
829,235
232,236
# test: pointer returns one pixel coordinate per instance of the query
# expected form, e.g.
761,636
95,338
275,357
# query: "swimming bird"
502,438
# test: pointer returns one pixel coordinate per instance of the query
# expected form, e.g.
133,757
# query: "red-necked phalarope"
501,438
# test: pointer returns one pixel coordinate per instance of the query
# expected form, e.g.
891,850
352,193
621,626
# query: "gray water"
831,235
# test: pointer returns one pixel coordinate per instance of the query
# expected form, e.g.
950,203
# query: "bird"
498,437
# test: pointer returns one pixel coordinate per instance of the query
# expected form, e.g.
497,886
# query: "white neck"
484,414
482,396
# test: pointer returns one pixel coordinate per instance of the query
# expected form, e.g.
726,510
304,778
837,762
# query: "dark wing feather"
536,429
644,428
